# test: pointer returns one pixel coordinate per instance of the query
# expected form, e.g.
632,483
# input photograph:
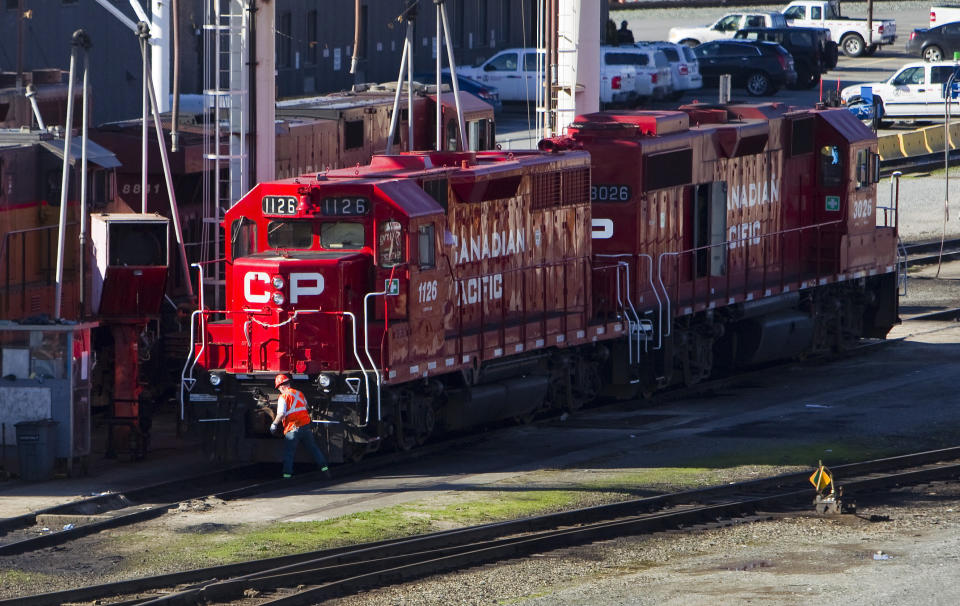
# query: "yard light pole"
947,98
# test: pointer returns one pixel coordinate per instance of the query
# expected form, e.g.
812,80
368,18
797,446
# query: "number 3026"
609,193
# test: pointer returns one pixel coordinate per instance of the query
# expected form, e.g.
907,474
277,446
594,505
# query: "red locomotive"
436,291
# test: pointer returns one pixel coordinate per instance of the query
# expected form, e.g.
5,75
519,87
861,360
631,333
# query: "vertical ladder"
226,124
568,36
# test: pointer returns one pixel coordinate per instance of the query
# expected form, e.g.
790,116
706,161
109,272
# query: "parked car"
512,71
760,67
618,76
936,43
814,53
946,13
468,85
684,66
852,34
653,76
725,27
915,91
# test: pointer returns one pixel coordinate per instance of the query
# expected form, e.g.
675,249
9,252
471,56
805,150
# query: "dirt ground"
901,551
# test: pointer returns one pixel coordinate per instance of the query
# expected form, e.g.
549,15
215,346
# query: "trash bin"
36,449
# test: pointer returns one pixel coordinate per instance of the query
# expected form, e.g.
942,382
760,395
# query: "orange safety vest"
297,415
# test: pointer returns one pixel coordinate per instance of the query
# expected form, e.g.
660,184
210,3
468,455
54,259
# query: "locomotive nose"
292,309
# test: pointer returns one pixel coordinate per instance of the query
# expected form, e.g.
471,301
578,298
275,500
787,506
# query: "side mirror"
488,67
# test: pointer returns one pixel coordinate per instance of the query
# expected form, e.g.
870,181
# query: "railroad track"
71,521
84,517
315,576
926,253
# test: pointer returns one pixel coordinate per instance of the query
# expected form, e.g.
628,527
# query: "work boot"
326,472
287,476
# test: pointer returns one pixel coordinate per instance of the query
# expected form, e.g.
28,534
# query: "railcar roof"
848,125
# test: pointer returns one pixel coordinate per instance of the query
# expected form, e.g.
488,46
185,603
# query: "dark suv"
814,53
760,67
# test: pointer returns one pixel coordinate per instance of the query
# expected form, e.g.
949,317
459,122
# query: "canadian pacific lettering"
754,194
488,246
472,249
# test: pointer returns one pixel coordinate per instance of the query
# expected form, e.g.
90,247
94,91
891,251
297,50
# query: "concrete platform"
170,456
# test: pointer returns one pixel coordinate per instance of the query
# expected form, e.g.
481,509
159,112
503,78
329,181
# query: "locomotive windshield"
299,234
342,234
289,234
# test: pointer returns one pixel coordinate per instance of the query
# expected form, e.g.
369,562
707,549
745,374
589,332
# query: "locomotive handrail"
366,346
523,271
726,245
356,355
633,309
185,379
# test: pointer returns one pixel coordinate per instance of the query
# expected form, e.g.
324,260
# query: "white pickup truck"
853,35
725,27
944,13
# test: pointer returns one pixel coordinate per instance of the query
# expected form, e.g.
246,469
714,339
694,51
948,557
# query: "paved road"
653,25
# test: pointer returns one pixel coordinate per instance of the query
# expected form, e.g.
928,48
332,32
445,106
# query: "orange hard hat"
280,380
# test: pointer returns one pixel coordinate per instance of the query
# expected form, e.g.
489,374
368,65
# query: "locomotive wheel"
525,419
586,385
415,420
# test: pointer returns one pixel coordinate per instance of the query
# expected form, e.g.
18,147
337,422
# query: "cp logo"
302,284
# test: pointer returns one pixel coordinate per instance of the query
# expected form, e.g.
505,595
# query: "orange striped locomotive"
429,292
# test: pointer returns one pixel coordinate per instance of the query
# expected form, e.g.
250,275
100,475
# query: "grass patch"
656,478
498,506
247,542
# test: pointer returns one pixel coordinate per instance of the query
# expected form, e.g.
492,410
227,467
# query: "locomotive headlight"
215,379
278,298
277,282
324,380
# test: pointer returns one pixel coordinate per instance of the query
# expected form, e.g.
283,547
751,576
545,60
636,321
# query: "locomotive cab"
314,272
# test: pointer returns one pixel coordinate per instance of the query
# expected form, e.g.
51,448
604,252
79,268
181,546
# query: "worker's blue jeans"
295,436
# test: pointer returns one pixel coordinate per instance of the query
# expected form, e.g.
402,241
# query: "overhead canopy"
97,154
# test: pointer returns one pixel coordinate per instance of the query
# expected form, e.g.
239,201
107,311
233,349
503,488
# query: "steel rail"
173,492
143,494
348,569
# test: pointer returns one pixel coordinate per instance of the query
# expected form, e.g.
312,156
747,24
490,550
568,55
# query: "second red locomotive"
429,292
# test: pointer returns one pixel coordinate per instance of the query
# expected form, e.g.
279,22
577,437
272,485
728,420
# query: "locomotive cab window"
390,244
243,238
289,234
427,247
831,166
437,190
342,235
863,168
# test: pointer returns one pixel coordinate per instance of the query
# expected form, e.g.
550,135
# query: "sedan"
468,85
936,43
760,67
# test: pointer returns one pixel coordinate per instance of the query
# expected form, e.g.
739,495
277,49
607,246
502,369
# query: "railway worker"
624,35
297,426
